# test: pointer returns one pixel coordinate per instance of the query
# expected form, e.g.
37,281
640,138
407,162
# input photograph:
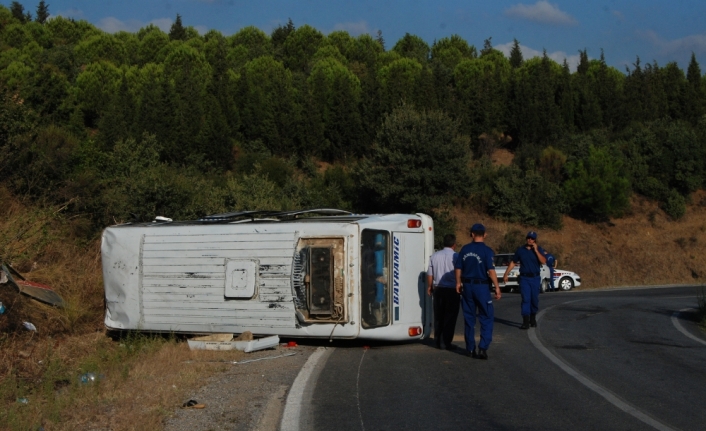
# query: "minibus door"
411,304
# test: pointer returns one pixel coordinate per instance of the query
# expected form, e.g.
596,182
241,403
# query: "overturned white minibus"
314,273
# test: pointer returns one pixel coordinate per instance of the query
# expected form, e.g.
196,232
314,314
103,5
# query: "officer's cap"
531,234
477,228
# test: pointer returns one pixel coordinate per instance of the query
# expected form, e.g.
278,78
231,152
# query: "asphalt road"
611,359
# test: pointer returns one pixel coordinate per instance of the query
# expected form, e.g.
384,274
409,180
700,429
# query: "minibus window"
374,279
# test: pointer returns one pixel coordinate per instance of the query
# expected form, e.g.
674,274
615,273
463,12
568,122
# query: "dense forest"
127,126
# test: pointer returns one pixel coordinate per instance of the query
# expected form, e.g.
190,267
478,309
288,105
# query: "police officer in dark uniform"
531,258
475,270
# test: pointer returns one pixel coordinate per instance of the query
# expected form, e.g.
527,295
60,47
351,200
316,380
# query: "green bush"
597,188
418,163
527,198
674,204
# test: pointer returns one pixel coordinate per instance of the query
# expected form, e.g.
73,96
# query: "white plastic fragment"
29,326
245,346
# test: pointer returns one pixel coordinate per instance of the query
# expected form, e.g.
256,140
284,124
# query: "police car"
563,280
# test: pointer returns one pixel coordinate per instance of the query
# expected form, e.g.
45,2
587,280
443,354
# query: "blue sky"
651,29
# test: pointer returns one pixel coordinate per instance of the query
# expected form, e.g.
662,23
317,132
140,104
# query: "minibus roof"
325,215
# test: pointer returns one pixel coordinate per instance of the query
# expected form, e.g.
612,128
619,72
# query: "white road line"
680,328
295,399
357,390
590,384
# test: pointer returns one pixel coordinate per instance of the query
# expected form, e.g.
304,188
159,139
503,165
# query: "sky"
655,30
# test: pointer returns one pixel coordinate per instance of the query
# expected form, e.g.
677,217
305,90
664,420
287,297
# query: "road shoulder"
247,396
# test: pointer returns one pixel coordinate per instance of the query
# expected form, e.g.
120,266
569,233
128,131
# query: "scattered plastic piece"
245,346
292,344
28,326
87,378
366,347
90,378
23,400
2,308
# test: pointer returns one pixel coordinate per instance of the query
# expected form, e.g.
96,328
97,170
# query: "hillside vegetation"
132,125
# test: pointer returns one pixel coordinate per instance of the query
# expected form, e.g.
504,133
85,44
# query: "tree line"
131,125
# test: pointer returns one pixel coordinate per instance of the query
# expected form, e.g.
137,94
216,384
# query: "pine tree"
582,68
487,46
695,100
281,33
516,59
379,39
42,12
18,11
177,32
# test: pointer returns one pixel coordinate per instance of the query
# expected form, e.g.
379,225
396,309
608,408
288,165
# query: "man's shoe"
482,354
525,322
471,354
533,320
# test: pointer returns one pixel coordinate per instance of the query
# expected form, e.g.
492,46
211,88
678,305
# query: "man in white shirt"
441,281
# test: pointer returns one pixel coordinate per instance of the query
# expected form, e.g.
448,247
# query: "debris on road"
226,342
29,326
262,359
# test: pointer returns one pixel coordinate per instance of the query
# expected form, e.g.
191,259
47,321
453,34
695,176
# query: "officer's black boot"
482,354
533,320
525,322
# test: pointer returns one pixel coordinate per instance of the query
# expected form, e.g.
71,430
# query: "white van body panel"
236,277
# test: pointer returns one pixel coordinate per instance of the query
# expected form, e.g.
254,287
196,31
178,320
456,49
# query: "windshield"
502,259
374,278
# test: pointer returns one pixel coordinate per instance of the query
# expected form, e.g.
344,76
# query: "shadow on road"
507,322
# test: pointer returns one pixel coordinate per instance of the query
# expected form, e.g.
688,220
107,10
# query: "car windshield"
502,259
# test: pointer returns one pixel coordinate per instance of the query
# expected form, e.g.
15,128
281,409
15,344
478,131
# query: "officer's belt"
474,281
530,274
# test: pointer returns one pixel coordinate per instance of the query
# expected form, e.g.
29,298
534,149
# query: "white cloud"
527,53
114,25
684,45
354,28
71,13
542,12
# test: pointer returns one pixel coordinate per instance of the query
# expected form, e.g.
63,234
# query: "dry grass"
502,157
643,248
140,381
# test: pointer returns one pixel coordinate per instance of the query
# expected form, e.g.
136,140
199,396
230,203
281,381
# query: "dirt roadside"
248,396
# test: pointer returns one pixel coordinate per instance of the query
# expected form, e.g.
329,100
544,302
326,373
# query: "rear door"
409,299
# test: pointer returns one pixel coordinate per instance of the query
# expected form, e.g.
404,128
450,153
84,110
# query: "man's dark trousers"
446,305
529,292
476,301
